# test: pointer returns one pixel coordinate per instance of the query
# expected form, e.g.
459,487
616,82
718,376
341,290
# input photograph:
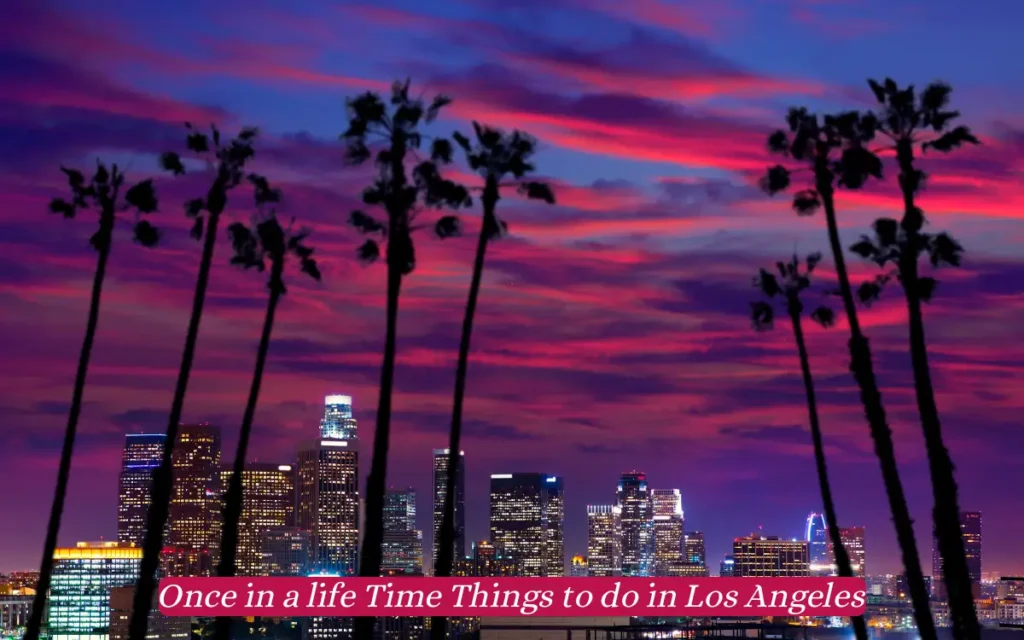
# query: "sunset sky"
612,331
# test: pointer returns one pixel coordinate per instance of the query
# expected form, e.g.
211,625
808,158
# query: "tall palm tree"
790,283
815,143
910,122
395,135
494,156
103,193
254,248
227,161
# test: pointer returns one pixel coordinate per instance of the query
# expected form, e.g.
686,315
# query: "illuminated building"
285,552
338,423
402,546
440,489
79,602
268,502
526,521
818,548
142,455
578,567
637,524
769,557
159,627
693,544
667,507
727,568
604,540
328,503
970,530
195,516
15,611
853,541
485,561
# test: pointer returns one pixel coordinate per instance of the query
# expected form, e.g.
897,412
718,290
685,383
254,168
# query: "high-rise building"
83,575
970,530
604,540
403,543
667,507
328,504
142,455
160,627
727,567
268,502
637,524
578,567
693,544
338,423
440,489
816,535
285,552
195,516
769,557
485,561
526,521
853,541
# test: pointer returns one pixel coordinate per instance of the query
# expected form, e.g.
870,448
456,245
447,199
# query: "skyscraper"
604,540
403,543
195,517
578,568
338,423
667,507
285,552
268,502
816,535
440,487
853,541
727,567
526,521
769,557
693,545
141,456
637,524
970,530
328,504
79,602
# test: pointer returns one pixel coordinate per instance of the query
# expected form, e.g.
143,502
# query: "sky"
612,332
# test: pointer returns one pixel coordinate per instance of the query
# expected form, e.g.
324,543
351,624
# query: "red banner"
538,597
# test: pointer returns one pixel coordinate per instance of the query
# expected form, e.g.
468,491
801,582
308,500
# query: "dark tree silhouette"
269,243
910,121
227,161
494,156
832,148
101,192
790,283
394,133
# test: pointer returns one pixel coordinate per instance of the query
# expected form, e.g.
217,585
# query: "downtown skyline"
613,330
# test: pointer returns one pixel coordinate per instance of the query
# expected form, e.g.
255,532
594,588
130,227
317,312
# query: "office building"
328,504
578,567
338,423
970,530
667,509
195,518
816,535
285,552
403,543
141,456
770,557
485,561
693,545
160,627
637,524
440,489
83,575
853,541
268,502
604,540
727,567
526,521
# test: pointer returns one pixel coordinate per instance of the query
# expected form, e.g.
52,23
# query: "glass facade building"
634,499
195,517
141,456
667,509
604,540
770,557
83,576
328,504
338,422
403,542
268,502
816,535
440,487
526,521
285,552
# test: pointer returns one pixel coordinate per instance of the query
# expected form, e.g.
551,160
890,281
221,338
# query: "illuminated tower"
637,524
403,543
195,517
338,423
268,502
853,541
440,487
693,546
970,530
83,576
667,507
141,456
604,540
327,504
816,536
526,521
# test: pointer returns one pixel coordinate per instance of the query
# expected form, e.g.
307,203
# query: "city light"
336,399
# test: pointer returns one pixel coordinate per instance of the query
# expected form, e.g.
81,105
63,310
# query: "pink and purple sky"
612,332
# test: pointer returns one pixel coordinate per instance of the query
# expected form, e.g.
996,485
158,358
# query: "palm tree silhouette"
922,121
494,156
254,248
102,192
814,142
790,283
227,161
395,133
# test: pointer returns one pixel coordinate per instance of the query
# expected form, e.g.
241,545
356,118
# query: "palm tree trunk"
860,629
64,471
233,498
446,547
863,372
156,518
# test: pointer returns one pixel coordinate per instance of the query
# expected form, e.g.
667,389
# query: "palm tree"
227,161
269,242
814,143
494,156
794,281
395,133
922,121
102,192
